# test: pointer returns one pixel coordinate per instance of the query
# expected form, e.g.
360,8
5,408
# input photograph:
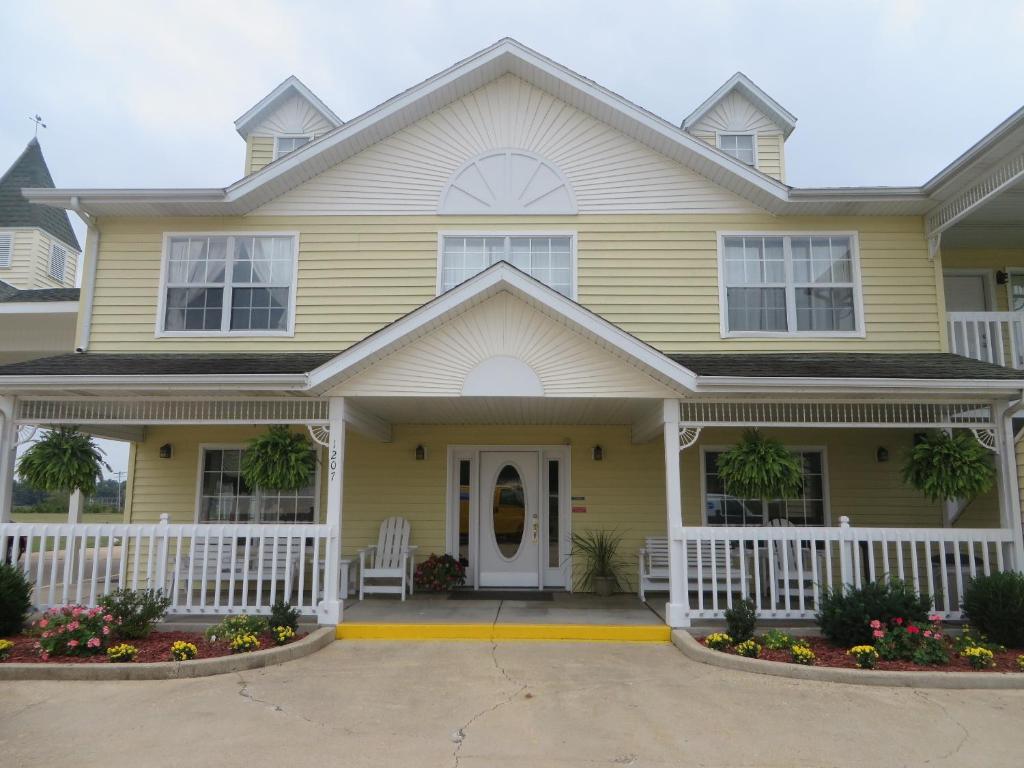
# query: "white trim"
718,448
753,139
444,209
1010,272
38,307
277,138
778,114
291,83
203,447
570,233
987,275
860,330
159,331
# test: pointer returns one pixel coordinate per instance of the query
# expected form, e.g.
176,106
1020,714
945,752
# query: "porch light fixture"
1002,276
882,454
598,453
421,453
166,451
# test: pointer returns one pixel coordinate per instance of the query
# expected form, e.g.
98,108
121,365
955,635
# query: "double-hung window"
229,284
225,498
790,285
548,258
809,508
739,145
285,144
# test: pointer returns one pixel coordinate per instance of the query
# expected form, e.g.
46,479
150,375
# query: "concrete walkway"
512,704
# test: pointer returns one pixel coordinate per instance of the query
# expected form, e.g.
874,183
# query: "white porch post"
8,446
677,608
75,504
330,610
1009,487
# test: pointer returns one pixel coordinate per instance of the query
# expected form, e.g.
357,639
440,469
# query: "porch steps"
578,633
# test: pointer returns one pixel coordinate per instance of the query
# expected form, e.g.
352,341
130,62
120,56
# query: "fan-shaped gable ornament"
508,181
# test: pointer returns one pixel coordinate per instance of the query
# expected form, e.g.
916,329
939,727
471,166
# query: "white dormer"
287,118
745,123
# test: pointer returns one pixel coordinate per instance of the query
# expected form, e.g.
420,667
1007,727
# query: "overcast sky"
144,94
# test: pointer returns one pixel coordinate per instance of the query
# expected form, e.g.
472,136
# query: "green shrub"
283,615
776,640
15,599
995,605
846,612
740,620
135,611
237,626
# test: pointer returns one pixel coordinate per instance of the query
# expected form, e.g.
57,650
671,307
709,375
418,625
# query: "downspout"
92,252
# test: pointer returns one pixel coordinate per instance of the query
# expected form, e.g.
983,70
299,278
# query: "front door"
509,511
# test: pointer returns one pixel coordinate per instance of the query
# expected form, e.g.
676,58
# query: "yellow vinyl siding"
769,155
259,151
991,259
655,275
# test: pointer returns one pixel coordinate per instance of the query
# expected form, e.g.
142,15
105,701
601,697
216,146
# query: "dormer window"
739,145
285,144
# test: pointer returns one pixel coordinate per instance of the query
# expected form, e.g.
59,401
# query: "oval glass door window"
509,511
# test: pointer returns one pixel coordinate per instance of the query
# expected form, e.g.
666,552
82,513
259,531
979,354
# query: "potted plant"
279,459
602,565
64,459
947,467
760,468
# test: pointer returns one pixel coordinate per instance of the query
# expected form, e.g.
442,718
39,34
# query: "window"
546,258
6,249
225,498
739,145
58,262
1016,287
808,509
229,284
789,284
285,144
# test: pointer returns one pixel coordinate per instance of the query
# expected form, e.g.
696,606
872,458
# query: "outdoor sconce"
421,453
1002,276
920,437
165,451
882,455
598,453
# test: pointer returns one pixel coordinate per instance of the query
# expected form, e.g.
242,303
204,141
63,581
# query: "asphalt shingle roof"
9,294
30,170
167,364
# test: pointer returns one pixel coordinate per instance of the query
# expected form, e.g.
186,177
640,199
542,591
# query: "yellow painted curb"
490,632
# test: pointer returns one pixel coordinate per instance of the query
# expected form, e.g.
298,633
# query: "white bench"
227,562
654,567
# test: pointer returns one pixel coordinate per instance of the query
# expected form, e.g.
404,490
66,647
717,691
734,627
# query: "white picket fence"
205,569
784,569
992,337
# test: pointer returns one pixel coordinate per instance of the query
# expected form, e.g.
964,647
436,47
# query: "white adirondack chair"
390,559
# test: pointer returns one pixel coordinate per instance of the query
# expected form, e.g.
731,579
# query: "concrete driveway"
513,704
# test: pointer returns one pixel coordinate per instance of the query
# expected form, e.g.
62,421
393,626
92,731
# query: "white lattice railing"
205,569
784,569
993,337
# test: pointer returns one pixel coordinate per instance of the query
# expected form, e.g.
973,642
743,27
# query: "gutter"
748,385
232,382
92,254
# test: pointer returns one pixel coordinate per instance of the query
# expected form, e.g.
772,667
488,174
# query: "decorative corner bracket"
986,438
25,433
687,436
320,433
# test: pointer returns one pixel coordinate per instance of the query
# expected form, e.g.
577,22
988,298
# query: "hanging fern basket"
760,468
280,460
947,467
63,460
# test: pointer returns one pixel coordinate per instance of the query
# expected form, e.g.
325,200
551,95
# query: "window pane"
553,505
824,309
807,509
548,259
193,309
740,146
756,309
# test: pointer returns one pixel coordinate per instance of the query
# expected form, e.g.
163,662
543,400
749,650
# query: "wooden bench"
654,567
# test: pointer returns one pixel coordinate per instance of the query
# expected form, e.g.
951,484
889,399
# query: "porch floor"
564,608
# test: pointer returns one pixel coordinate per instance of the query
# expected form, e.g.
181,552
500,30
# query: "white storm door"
509,519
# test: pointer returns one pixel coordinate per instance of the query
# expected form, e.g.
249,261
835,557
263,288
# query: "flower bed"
156,647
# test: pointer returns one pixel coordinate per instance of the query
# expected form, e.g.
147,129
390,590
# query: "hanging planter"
947,467
761,468
63,460
279,459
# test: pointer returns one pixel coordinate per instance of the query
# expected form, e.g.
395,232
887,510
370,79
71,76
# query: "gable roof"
505,56
746,87
11,295
268,103
30,170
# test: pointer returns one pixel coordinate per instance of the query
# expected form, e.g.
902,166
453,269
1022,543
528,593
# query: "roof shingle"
30,170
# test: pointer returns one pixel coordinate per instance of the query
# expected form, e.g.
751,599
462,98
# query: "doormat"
500,594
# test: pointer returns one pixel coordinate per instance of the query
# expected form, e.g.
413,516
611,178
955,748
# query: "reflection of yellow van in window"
509,510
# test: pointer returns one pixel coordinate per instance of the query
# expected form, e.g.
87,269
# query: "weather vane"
39,122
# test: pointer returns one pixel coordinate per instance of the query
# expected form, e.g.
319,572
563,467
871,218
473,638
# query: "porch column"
8,446
677,608
1009,487
330,610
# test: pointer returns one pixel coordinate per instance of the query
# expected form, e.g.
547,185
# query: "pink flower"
878,633
106,630
912,629
44,655
935,618
898,621
94,642
76,611
72,643
108,618
43,623
928,633
875,624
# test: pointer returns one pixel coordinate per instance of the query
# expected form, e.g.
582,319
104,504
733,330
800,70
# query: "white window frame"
225,330
54,245
1011,272
278,137
825,487
858,294
751,134
571,234
204,447
8,234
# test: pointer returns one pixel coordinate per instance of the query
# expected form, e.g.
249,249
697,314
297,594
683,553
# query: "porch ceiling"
997,223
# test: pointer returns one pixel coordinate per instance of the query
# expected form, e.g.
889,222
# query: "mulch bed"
156,647
828,655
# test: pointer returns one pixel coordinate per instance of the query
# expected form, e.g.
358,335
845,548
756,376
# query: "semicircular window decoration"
509,512
508,181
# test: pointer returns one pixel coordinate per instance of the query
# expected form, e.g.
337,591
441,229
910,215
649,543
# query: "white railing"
784,569
992,337
205,569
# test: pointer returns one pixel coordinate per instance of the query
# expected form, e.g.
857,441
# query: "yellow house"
509,306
